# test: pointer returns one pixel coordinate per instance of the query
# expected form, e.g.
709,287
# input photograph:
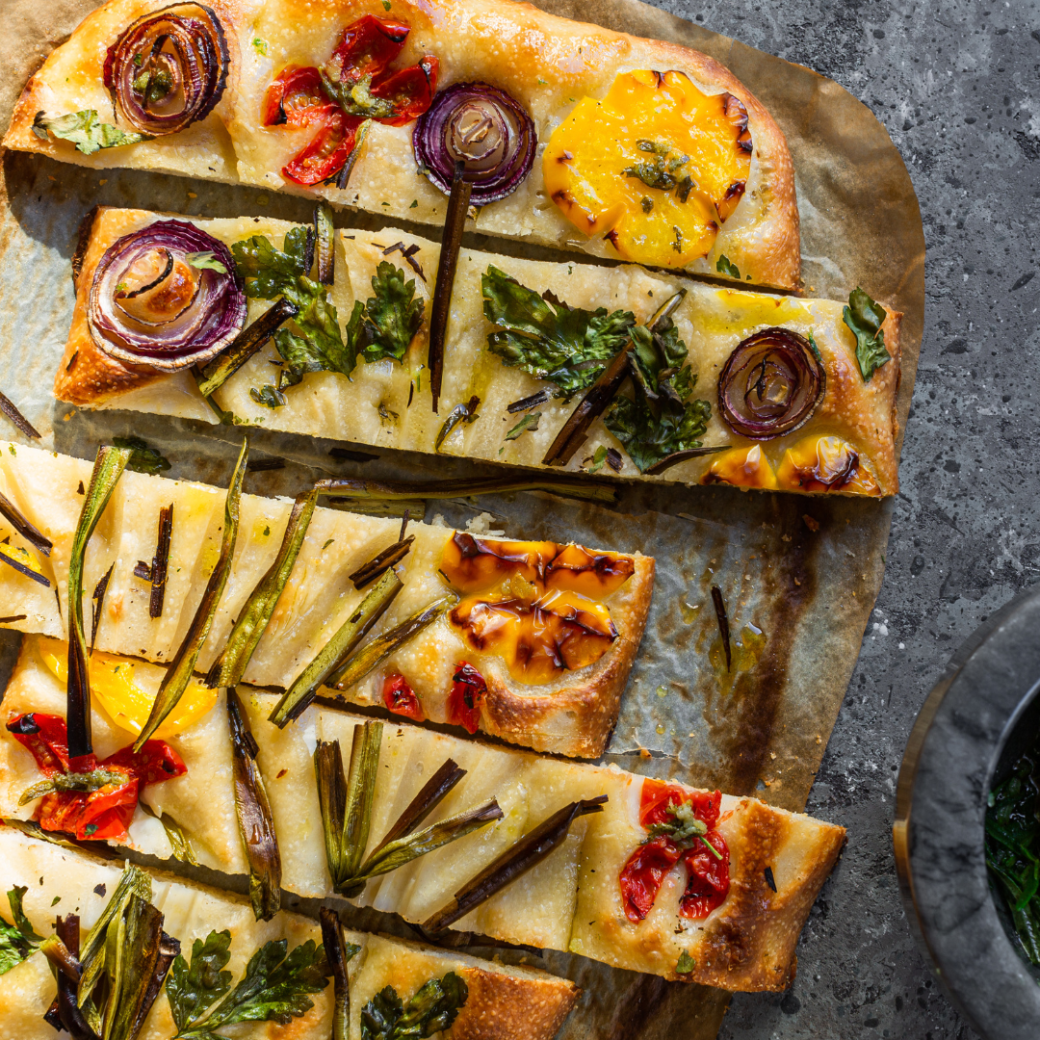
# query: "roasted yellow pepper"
826,464
656,166
123,700
741,467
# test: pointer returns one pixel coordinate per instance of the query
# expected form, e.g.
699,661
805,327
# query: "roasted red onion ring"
771,384
168,69
485,129
149,305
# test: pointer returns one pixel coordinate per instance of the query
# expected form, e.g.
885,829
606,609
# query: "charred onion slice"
483,128
168,69
149,305
771,384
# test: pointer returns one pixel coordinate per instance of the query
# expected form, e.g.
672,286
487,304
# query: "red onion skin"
751,352
218,302
439,166
193,20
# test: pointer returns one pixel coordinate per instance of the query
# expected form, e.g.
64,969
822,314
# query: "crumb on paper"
483,523
103,181
192,195
66,418
811,522
438,521
643,753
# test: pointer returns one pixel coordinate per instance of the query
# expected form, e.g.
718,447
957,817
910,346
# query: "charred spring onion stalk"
179,674
477,144
40,542
389,557
255,819
598,397
244,346
339,954
346,813
97,605
304,688
530,850
109,464
324,244
370,656
10,409
24,562
161,562
461,413
723,620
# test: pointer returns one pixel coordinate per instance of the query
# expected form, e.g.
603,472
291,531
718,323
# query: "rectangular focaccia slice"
571,901
724,189
503,1002
569,712
845,444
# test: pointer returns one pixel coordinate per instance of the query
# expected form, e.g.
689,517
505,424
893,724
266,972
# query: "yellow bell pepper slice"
125,702
742,467
826,464
656,166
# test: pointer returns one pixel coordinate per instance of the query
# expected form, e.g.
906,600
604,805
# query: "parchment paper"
803,571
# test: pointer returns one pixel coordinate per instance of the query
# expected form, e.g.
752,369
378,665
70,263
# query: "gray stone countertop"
957,85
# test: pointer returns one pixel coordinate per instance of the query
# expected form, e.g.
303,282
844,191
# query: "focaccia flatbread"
387,404
546,63
572,713
503,1003
570,901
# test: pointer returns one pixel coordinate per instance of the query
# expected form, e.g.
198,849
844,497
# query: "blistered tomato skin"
656,166
822,464
742,467
400,698
468,691
534,604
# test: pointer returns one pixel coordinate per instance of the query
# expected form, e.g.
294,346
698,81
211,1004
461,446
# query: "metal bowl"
977,720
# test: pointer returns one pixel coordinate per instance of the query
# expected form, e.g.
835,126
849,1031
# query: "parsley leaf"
528,422
686,964
727,267
206,260
274,988
661,419
864,318
311,341
566,345
392,317
17,941
145,458
433,1009
84,131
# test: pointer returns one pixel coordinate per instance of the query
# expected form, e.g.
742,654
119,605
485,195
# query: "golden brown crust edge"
584,714
507,1007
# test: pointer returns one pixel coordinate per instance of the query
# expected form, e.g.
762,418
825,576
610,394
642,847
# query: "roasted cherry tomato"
400,698
708,882
642,875
102,814
327,153
296,98
467,694
657,796
411,90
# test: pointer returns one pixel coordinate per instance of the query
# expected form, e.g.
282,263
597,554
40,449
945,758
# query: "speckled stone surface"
957,84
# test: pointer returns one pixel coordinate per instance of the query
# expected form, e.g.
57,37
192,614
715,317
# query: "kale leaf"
18,941
84,131
544,336
274,988
433,1009
391,317
661,419
864,318
145,458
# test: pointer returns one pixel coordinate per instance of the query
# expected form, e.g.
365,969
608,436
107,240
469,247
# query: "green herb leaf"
205,261
528,422
598,459
393,316
191,989
274,988
433,1009
269,396
355,96
143,457
18,941
566,345
726,266
686,964
84,131
260,46
92,781
864,318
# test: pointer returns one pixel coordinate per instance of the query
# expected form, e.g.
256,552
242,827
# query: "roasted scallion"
8,408
723,620
109,464
339,954
161,562
24,562
304,688
255,819
368,657
9,511
324,244
181,669
97,604
530,850
381,562
347,488
461,413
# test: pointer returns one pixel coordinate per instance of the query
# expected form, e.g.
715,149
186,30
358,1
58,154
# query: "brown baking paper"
802,572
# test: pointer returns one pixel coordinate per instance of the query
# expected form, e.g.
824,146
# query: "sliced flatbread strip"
572,713
387,404
571,901
548,64
504,1002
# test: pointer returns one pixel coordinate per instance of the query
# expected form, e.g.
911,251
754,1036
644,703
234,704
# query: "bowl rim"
941,799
